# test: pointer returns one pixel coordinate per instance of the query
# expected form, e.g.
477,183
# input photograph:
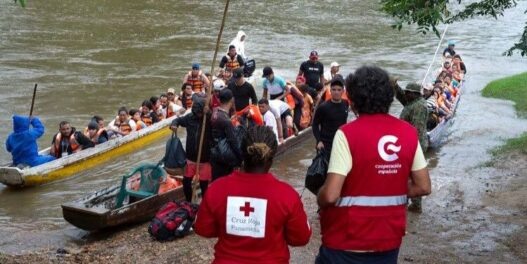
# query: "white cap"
218,84
335,64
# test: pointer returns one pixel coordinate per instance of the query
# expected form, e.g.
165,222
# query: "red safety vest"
72,142
370,215
196,82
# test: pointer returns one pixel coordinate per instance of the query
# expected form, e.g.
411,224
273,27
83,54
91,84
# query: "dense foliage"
428,14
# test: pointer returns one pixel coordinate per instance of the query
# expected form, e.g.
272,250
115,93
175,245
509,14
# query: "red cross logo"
247,209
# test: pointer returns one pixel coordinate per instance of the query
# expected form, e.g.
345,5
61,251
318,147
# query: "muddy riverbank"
486,227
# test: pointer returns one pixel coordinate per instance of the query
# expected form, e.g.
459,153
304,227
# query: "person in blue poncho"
22,143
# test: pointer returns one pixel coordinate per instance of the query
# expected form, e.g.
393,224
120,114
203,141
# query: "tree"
428,14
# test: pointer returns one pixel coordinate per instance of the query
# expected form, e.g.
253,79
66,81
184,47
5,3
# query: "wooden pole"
33,101
209,95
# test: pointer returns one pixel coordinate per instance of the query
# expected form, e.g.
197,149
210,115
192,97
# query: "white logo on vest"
246,216
383,142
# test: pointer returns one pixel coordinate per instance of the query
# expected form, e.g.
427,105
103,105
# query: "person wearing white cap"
218,85
334,69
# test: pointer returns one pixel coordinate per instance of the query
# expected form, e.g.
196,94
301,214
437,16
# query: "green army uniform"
415,113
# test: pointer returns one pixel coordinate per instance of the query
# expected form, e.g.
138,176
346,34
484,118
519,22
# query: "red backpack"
173,220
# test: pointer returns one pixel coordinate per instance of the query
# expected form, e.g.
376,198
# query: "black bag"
173,220
316,173
248,69
175,156
223,152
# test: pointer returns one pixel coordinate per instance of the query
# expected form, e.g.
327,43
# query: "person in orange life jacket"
271,119
376,163
312,70
273,85
193,123
218,85
122,125
329,116
307,109
22,143
253,224
147,113
68,141
136,116
157,108
197,79
296,98
222,128
232,60
171,108
242,91
186,95
100,121
95,134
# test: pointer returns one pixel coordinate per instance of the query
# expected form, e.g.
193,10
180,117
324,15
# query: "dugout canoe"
83,160
437,135
96,211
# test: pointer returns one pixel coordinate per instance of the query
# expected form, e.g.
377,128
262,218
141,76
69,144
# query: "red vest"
370,215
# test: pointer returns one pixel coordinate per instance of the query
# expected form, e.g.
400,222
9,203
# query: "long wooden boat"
97,210
83,160
437,135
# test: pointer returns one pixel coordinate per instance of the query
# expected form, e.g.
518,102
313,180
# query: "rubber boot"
187,188
415,206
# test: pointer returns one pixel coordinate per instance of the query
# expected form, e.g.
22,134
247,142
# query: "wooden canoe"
83,160
96,211
437,135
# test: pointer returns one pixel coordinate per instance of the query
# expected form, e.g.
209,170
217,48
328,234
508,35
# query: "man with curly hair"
376,163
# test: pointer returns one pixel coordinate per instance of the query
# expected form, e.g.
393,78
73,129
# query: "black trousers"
219,170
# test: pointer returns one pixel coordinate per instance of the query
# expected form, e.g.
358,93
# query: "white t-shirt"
270,121
279,106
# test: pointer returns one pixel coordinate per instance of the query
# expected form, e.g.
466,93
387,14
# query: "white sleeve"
132,124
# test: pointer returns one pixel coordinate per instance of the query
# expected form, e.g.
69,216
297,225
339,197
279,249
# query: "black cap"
93,125
338,80
237,73
225,96
267,71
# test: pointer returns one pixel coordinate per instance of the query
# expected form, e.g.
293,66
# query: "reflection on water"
90,57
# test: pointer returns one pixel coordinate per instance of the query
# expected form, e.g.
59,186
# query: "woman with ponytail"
254,215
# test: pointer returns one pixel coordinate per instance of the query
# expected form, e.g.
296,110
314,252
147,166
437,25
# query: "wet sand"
484,225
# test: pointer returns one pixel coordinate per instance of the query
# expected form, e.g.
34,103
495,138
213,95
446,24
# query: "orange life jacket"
196,82
253,113
147,119
95,139
138,125
125,128
187,101
75,147
232,63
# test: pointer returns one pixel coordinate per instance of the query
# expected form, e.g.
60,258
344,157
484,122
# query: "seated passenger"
136,116
186,95
197,79
157,109
461,66
147,113
122,125
22,143
68,141
96,134
170,108
100,121
307,109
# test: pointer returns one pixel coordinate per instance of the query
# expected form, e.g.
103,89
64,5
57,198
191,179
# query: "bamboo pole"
33,101
209,94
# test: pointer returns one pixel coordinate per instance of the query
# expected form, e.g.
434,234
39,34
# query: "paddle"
33,101
195,182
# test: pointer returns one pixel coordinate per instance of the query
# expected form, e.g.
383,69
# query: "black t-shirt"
449,51
312,72
329,116
242,94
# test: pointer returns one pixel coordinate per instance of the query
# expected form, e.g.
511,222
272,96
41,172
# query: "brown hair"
259,147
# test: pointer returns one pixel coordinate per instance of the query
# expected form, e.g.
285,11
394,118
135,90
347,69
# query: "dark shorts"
274,96
286,113
327,255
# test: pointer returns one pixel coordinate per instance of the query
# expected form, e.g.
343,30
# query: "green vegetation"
512,88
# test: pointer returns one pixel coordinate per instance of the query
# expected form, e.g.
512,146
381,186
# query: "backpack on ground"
173,220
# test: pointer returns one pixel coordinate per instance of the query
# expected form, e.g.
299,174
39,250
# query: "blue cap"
451,43
195,66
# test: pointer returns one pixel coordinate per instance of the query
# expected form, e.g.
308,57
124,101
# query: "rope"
209,93
435,54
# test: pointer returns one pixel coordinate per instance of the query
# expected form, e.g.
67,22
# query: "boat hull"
86,159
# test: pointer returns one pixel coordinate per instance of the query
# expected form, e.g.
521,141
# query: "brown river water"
90,57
